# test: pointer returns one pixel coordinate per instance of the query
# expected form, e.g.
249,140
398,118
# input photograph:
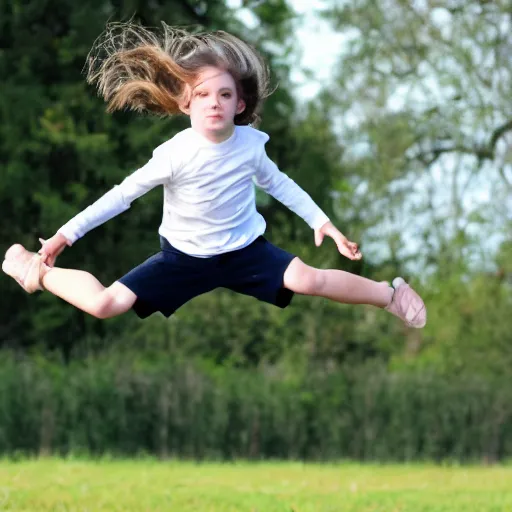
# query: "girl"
211,234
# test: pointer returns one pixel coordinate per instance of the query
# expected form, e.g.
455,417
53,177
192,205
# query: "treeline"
167,409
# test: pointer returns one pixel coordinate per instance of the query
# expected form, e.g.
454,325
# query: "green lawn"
147,485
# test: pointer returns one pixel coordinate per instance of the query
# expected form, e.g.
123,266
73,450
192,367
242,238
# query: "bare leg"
336,285
85,292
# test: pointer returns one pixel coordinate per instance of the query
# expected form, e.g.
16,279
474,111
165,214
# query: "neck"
218,137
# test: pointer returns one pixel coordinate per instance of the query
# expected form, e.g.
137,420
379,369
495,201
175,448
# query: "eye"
226,95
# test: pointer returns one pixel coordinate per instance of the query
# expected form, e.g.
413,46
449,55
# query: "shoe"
23,266
407,305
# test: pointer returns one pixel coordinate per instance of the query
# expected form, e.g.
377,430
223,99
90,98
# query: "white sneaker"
407,305
23,266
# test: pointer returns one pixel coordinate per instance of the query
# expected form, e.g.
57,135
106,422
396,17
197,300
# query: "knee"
102,307
310,281
108,304
315,281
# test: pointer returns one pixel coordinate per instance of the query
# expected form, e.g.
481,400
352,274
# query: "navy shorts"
171,278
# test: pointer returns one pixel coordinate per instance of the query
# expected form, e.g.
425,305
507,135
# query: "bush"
198,411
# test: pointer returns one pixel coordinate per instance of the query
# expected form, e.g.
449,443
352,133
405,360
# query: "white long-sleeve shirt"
209,197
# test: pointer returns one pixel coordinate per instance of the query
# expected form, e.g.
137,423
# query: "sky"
319,45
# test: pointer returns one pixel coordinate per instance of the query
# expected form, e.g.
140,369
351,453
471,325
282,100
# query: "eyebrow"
222,89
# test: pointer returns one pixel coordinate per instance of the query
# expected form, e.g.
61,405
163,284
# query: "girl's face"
213,104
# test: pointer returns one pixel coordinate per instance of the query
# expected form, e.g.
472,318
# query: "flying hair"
147,71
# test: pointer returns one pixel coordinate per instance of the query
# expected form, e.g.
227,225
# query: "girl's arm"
117,200
285,190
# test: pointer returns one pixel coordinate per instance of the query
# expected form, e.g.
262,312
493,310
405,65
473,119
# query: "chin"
220,129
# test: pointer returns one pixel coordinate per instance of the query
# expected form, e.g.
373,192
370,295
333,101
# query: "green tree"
423,90
421,102
60,150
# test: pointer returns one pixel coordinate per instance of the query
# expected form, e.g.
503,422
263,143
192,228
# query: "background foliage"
408,151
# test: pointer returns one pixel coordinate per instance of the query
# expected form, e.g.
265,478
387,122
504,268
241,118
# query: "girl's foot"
407,305
25,267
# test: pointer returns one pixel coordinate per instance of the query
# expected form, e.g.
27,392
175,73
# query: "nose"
215,102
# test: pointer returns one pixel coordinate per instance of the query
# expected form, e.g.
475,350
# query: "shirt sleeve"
285,190
117,200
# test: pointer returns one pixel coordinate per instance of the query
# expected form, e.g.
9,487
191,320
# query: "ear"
184,100
240,107
185,108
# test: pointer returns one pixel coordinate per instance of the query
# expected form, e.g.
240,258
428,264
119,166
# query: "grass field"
147,485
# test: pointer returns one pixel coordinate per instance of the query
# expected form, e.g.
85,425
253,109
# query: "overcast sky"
319,44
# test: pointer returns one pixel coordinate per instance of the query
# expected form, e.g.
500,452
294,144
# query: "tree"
60,150
422,102
422,106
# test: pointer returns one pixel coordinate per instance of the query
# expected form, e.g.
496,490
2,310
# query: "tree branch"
499,132
430,156
482,153
507,182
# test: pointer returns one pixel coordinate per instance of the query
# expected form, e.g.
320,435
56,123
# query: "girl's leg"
401,301
77,287
85,292
336,285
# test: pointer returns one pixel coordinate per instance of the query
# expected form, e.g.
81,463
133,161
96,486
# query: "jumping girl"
211,233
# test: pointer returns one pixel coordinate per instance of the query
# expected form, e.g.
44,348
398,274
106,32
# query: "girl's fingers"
345,247
319,236
353,250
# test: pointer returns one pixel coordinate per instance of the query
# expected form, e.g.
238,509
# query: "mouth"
214,116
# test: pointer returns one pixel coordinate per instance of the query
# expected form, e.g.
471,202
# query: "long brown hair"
147,71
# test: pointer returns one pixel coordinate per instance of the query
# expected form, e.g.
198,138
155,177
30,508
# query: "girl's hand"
347,248
52,247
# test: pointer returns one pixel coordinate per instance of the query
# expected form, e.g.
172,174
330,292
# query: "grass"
146,485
